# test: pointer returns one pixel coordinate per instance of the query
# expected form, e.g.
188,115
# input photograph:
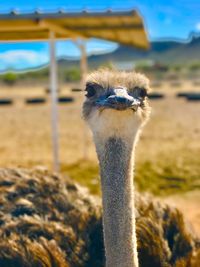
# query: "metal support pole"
81,44
83,63
84,68
54,101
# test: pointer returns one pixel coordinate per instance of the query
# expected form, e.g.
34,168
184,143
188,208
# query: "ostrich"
116,109
47,220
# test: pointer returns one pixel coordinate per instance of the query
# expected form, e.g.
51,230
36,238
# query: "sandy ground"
26,129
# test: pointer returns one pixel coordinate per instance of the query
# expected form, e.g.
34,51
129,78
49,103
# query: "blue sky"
163,19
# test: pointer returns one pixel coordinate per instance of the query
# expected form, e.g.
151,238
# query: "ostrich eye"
140,92
90,89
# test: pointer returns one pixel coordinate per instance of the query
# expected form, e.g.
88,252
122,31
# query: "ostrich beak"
118,99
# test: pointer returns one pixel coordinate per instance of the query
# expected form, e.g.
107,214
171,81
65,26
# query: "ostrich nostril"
117,99
121,99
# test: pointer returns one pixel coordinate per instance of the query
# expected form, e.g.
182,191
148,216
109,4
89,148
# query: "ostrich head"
116,103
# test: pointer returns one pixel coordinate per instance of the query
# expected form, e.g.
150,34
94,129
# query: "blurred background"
168,155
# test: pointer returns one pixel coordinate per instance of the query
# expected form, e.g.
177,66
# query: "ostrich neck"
116,167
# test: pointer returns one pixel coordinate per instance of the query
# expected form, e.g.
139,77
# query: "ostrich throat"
116,166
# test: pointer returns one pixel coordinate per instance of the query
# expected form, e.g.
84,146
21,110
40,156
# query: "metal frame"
57,31
81,44
54,100
63,14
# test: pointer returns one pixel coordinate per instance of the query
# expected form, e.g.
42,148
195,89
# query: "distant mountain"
163,51
169,52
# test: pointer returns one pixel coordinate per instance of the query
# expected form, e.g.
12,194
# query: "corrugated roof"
125,27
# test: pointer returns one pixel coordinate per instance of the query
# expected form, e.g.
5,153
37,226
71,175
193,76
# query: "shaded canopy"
123,27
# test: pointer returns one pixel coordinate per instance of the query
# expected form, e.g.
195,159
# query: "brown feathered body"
49,221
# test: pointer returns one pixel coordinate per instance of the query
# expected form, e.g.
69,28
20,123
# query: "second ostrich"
116,109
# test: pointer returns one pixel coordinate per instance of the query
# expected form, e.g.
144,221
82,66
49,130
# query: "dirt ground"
168,154
26,129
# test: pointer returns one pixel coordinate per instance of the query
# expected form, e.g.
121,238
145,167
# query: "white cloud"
198,26
93,46
21,59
